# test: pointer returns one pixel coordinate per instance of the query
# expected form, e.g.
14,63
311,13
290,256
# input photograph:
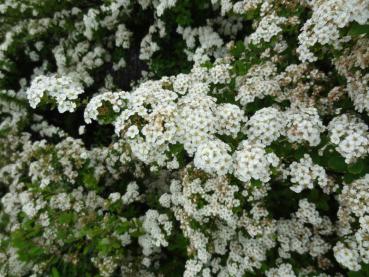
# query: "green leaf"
313,195
66,218
104,245
240,67
337,163
177,150
35,251
90,181
256,183
357,29
355,274
55,272
178,242
106,113
319,199
349,178
323,205
356,168
238,49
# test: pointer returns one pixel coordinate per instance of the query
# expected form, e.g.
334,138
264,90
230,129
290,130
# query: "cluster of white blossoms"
258,83
212,203
304,174
230,118
252,161
268,27
302,85
153,116
13,113
325,23
131,195
195,120
116,100
354,197
354,249
307,213
351,136
357,88
81,48
61,89
163,5
213,157
211,44
282,270
347,255
266,125
203,201
148,45
207,138
122,36
157,227
304,124
352,64
304,233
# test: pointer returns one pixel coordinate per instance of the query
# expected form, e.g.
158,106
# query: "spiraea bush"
184,138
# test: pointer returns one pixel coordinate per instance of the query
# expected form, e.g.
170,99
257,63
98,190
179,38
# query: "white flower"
229,118
304,124
305,173
114,197
213,157
132,131
351,136
347,255
283,270
64,90
266,126
251,161
259,82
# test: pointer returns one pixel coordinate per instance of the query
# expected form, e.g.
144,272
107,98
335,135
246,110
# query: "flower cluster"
213,157
204,138
305,173
350,135
327,18
252,161
266,125
63,90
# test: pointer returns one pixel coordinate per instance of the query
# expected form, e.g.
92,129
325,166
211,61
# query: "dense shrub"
184,138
